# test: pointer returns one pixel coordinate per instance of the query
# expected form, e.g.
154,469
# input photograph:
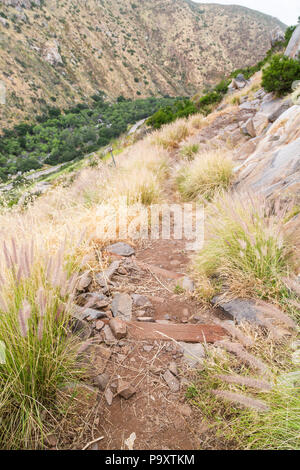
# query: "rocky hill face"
58,52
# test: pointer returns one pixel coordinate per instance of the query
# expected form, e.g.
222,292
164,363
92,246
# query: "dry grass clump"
240,399
36,284
189,151
171,135
70,211
196,121
248,247
140,175
207,175
40,354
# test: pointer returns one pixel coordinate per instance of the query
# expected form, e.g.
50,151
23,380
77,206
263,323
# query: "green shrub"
281,74
181,108
289,33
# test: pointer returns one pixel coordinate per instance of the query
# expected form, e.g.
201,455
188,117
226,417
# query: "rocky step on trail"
144,341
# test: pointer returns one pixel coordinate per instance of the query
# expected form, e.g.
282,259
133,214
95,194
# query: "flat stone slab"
239,309
120,249
193,354
253,311
121,306
179,332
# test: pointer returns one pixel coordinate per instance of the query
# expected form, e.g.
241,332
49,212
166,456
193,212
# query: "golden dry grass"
208,174
248,246
170,135
54,238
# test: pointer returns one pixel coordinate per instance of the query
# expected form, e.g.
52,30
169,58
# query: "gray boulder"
248,128
274,167
237,83
239,309
273,108
286,104
285,163
293,48
121,249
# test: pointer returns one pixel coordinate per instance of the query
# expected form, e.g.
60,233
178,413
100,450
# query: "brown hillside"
60,52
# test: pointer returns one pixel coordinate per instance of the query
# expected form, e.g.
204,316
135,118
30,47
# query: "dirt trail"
159,417
151,363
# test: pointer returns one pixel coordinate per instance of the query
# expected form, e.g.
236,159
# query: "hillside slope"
59,52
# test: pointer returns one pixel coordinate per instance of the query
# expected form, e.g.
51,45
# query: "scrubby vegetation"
205,103
63,136
171,135
280,74
249,249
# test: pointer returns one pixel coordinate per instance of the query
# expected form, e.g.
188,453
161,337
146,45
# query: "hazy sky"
287,11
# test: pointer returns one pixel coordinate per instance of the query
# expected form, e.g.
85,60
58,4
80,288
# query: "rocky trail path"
147,335
162,347
143,376
145,347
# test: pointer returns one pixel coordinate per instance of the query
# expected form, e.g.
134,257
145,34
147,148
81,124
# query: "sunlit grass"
40,353
205,176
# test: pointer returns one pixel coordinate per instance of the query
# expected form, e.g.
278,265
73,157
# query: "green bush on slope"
281,74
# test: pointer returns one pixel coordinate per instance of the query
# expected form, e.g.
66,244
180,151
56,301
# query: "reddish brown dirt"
166,254
160,418
152,413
